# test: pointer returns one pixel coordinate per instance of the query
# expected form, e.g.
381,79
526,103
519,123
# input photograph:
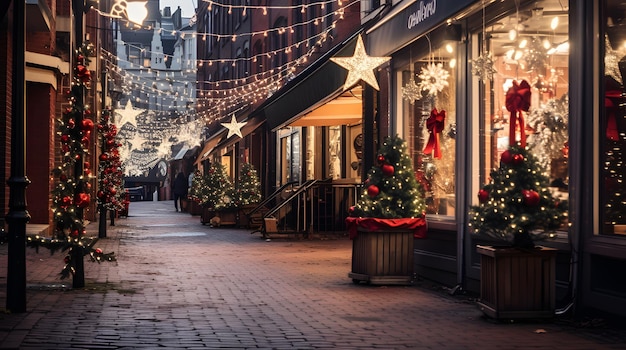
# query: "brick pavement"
181,285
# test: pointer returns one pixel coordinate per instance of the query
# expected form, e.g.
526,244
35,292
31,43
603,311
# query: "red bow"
611,123
518,101
434,124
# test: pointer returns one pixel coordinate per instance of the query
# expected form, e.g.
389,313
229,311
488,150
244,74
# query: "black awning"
321,80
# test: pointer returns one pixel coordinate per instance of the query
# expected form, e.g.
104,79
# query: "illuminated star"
234,127
137,142
128,114
611,62
360,66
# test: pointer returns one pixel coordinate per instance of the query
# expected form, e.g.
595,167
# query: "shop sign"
413,21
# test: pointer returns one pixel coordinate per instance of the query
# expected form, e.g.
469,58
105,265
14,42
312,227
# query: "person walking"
180,190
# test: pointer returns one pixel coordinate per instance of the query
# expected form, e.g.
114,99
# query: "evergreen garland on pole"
71,194
110,195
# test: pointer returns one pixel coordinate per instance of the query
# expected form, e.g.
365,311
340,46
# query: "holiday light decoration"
433,78
360,66
128,114
611,61
234,127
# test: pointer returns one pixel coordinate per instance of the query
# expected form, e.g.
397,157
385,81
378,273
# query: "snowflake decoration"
411,91
433,78
483,67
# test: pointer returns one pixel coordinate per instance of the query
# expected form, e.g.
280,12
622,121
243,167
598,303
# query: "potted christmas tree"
387,218
516,208
248,192
217,197
198,185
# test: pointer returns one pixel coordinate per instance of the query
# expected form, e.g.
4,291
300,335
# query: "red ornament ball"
373,191
531,197
518,159
380,158
67,200
104,157
351,209
82,200
98,251
506,157
87,125
483,195
388,169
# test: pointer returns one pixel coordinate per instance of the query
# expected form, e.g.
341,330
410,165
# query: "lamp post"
18,216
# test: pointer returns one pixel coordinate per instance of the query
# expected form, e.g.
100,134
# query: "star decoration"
137,141
483,67
234,127
128,114
360,66
611,62
410,91
433,78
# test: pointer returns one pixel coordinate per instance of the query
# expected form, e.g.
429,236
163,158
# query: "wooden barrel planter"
517,283
382,249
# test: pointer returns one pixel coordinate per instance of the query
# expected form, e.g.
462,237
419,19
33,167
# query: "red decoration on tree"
435,125
506,157
388,169
380,159
531,197
518,159
483,195
518,101
373,191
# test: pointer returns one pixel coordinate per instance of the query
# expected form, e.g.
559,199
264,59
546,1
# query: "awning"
208,147
313,87
345,109
181,153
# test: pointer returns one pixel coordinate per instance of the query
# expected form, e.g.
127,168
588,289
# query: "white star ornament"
360,66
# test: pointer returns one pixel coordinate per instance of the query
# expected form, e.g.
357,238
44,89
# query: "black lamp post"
18,216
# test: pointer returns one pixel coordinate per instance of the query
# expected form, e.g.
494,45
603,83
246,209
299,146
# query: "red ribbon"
611,122
518,101
435,124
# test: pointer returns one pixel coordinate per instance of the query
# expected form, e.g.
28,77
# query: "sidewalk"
178,284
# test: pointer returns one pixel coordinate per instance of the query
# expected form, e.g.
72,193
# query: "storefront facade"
451,66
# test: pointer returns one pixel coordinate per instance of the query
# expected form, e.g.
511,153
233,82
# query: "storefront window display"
530,48
612,187
428,108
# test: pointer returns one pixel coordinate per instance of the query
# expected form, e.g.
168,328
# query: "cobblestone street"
179,284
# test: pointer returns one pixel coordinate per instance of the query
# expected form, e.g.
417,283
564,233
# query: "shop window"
428,107
612,130
531,45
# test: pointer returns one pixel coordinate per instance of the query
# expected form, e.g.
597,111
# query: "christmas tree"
70,196
198,187
218,191
248,188
391,190
516,203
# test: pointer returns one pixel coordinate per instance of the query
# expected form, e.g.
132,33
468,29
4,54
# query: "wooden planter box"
516,283
227,216
382,257
195,208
